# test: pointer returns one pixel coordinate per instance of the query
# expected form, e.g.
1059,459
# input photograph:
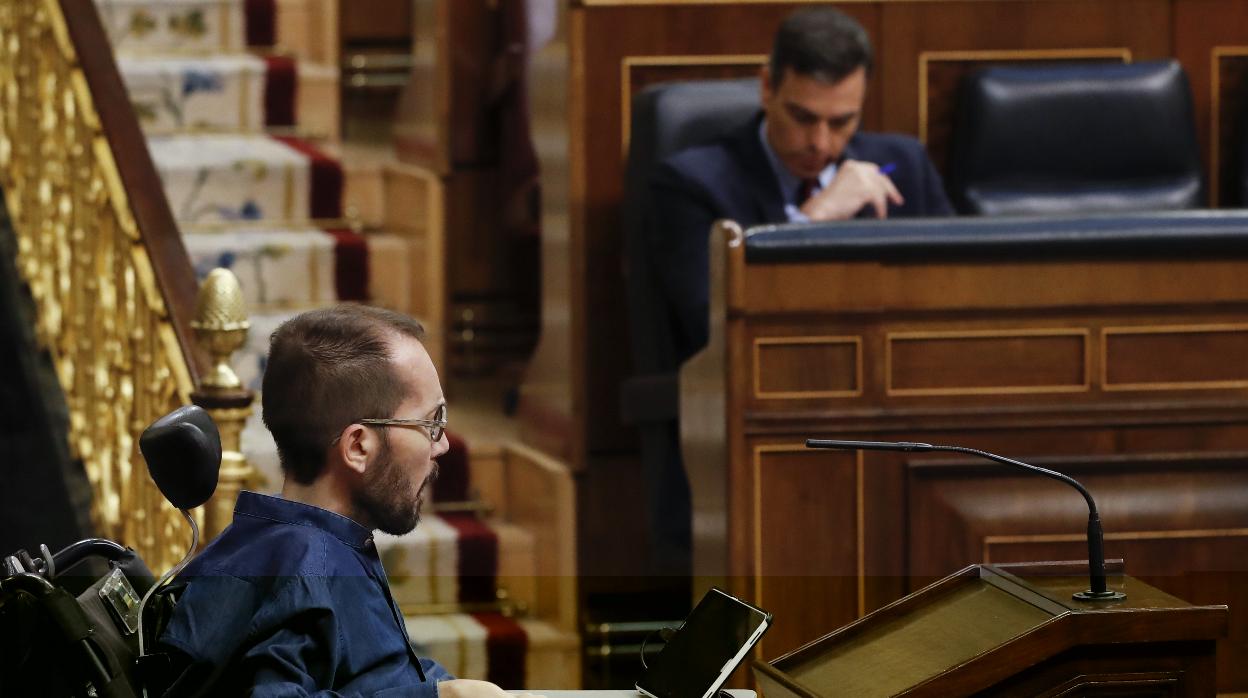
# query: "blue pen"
888,168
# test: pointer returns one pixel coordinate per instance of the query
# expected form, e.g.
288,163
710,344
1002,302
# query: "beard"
384,497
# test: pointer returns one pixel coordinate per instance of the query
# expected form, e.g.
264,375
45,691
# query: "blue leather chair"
1075,138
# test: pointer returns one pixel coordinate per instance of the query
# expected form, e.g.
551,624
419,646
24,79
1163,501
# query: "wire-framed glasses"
433,427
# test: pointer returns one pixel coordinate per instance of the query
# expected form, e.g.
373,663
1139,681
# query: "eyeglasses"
435,427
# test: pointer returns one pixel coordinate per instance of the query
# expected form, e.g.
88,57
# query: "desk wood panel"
1027,359
1182,545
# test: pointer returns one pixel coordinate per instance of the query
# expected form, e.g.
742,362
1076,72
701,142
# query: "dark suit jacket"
731,177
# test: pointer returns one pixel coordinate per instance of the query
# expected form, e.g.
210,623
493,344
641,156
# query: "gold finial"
221,325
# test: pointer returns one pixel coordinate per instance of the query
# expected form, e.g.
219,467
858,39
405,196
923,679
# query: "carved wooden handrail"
98,246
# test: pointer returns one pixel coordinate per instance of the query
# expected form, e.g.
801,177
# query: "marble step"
521,653
174,26
177,93
275,268
231,178
283,269
428,573
231,93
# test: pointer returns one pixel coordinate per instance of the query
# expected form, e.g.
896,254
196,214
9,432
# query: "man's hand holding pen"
856,185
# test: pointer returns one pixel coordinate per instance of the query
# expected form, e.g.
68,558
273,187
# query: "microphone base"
1107,595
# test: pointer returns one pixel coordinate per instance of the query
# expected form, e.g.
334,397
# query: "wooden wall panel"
807,367
1229,112
1166,358
1203,28
987,362
817,496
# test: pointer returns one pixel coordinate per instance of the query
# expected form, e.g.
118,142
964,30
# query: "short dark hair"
328,368
823,43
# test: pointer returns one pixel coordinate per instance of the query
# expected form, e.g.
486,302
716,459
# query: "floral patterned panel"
178,26
221,93
217,178
288,268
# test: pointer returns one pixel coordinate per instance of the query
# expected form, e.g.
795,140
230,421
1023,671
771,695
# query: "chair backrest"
667,118
1075,138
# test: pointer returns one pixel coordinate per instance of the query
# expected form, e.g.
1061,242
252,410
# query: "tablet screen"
713,640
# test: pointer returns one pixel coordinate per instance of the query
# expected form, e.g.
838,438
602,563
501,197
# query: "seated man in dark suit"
800,158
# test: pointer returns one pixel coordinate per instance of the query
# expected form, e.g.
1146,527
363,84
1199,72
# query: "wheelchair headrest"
183,454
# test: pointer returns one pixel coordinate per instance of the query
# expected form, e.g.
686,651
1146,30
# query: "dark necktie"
804,191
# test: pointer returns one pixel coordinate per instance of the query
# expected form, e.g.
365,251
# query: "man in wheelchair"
291,599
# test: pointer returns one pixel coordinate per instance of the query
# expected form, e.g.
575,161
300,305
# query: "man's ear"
355,445
764,83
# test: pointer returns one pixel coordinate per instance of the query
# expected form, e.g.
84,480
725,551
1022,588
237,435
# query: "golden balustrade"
102,257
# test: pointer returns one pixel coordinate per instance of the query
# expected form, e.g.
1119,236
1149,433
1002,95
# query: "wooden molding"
1108,332
760,342
890,338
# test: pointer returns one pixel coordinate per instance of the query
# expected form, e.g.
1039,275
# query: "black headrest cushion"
1075,124
673,116
183,454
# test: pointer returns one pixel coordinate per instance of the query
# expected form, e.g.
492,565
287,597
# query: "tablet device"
706,648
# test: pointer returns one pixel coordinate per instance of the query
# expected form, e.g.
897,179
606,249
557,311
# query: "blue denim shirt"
292,600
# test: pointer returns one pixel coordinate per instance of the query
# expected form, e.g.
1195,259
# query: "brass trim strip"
1215,119
627,63
1106,332
759,394
860,517
928,57
1084,387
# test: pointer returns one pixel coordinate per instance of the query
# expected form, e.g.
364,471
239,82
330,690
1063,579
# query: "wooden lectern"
1011,630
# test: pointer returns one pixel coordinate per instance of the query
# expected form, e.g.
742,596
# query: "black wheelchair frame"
96,643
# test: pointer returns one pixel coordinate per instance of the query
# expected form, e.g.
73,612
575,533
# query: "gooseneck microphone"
1099,591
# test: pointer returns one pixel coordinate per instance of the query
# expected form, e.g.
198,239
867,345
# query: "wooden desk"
1128,373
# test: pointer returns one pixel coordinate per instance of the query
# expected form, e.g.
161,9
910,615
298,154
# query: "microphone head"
183,454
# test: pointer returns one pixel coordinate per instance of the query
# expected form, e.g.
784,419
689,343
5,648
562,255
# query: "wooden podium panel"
1121,370
1011,630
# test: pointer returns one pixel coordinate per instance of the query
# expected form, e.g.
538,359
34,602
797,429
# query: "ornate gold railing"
98,247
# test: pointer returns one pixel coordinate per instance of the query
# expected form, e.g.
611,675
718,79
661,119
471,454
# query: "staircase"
239,103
